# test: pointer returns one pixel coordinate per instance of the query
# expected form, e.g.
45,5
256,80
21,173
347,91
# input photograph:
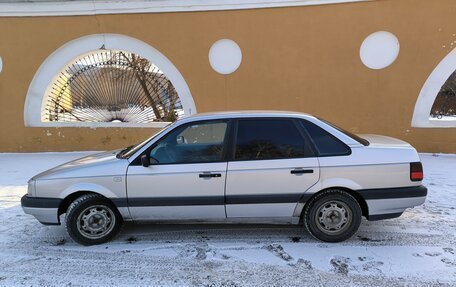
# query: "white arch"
57,8
55,62
421,115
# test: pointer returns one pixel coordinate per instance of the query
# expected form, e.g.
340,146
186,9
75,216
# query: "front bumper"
45,210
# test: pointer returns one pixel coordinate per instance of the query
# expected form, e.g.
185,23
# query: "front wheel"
92,219
332,216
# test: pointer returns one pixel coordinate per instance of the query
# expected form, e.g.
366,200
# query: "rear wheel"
332,216
92,219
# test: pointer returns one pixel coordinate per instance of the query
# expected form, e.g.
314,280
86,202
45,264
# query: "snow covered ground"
418,248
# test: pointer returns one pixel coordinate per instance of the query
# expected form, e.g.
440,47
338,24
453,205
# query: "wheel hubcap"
333,217
96,221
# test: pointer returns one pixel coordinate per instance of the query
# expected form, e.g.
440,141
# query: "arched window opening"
111,86
444,107
436,104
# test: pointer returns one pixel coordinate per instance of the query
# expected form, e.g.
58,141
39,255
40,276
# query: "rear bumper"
392,202
45,210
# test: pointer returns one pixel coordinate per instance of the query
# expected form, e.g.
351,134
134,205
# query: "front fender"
92,187
118,196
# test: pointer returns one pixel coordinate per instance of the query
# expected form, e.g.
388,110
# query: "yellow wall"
297,58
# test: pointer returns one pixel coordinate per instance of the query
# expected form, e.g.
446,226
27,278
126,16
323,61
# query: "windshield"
129,151
357,138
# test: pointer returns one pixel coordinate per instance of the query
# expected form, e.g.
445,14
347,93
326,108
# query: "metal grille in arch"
444,107
111,86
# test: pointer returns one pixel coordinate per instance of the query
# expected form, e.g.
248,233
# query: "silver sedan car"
278,167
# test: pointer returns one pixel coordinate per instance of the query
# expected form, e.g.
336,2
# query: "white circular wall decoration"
1,64
225,56
379,50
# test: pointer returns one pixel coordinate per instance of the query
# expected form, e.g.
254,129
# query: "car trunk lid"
384,141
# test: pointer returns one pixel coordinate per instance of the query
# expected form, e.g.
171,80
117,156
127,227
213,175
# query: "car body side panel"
367,176
267,188
176,191
372,167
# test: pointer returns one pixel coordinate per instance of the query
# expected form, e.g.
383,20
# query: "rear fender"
343,183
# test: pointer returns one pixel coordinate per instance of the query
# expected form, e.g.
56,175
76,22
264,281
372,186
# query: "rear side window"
262,139
359,139
326,144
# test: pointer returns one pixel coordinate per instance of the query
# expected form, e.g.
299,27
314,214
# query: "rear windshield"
359,139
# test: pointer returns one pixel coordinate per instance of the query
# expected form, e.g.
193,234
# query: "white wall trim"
65,8
429,92
68,52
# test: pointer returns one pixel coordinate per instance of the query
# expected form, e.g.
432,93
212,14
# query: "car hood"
92,165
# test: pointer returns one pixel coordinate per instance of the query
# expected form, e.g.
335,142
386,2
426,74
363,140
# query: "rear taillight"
416,171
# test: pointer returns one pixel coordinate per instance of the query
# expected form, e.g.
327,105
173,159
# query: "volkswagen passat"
234,167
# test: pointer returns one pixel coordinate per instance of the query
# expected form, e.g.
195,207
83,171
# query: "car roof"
246,113
272,114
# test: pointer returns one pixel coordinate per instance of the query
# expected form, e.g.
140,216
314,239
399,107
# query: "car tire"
332,216
92,219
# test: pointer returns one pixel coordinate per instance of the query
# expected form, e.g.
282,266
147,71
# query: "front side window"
261,139
194,143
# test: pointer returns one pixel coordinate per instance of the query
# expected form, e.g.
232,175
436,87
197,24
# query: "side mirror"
145,160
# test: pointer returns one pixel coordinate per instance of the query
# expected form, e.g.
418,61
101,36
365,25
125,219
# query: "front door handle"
301,171
209,175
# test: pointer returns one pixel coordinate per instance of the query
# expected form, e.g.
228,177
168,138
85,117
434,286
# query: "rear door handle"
209,175
301,171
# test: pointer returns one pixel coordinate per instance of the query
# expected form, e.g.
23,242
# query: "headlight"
31,188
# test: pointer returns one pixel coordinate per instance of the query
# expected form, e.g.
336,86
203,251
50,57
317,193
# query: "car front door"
273,164
186,178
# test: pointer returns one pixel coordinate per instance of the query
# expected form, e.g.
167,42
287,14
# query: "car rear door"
187,180
272,164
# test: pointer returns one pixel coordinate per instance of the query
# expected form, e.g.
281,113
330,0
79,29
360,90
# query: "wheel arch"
361,201
63,207
119,200
66,202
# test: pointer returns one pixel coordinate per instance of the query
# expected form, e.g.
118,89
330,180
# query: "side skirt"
237,220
